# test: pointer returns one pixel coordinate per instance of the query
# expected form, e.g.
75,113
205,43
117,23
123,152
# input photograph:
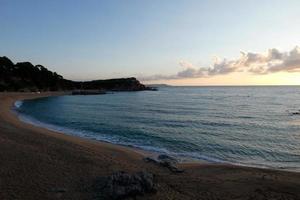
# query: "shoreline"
183,160
14,119
37,161
143,152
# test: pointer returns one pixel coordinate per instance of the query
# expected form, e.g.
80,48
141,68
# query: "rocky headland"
26,77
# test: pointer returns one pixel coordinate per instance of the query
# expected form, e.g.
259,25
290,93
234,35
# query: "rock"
172,167
169,162
165,161
148,159
122,185
166,158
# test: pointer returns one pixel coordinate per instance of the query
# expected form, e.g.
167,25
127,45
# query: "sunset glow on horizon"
239,79
159,42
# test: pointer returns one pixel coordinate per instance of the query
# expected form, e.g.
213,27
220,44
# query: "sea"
255,126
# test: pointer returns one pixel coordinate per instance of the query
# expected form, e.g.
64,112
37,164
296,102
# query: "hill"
26,77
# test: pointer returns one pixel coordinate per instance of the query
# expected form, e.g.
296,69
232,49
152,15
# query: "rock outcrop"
165,161
122,185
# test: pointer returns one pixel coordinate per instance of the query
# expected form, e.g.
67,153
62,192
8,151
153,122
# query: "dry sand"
36,163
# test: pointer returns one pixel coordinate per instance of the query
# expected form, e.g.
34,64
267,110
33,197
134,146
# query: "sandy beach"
37,163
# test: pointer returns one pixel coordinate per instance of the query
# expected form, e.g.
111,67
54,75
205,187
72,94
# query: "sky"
178,42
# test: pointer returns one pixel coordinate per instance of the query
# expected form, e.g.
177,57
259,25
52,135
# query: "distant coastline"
158,85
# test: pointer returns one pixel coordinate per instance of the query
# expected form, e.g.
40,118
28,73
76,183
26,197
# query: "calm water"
242,125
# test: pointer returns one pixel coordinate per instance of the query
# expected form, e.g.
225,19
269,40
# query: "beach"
37,163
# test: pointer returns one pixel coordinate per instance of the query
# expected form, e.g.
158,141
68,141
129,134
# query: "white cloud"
255,63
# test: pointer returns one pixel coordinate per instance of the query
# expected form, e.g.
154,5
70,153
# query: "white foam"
18,104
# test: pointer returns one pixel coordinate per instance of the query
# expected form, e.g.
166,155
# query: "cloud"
256,63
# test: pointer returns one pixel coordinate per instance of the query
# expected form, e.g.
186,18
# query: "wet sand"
36,163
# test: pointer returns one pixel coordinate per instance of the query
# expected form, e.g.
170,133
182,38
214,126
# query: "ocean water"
252,126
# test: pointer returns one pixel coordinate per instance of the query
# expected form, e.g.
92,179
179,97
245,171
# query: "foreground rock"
122,185
165,161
